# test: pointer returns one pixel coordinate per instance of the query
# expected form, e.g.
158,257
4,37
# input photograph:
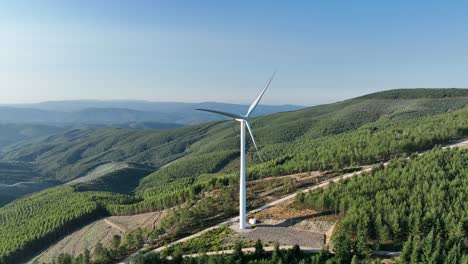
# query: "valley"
192,173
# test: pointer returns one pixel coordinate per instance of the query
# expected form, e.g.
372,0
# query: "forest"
33,222
192,160
416,205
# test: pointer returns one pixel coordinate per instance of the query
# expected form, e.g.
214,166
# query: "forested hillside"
18,179
418,93
421,201
31,223
201,157
13,133
70,155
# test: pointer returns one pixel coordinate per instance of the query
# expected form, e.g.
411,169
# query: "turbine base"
235,227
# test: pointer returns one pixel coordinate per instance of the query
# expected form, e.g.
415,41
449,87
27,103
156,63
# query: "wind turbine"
244,121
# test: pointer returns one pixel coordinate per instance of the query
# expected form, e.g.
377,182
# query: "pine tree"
238,255
453,255
427,247
355,260
342,245
101,254
87,256
382,230
296,252
464,259
361,243
258,249
177,255
435,257
64,259
130,241
139,240
276,256
300,197
406,251
416,251
116,239
115,244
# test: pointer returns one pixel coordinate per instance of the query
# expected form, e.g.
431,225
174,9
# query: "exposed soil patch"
100,231
134,221
284,211
77,242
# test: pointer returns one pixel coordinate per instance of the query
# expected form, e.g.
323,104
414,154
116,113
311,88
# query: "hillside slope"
416,205
13,133
72,154
329,137
112,177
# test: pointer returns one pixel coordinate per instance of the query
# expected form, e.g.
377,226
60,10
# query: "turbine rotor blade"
253,139
222,113
255,103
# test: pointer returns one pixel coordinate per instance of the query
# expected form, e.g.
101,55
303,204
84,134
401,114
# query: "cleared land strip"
325,183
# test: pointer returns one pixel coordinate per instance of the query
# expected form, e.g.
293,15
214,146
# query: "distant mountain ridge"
405,93
121,112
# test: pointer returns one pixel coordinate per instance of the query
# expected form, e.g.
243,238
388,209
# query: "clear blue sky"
225,50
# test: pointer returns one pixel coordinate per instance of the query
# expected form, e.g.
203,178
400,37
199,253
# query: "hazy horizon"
198,102
135,100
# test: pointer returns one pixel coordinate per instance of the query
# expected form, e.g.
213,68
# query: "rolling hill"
122,112
363,130
72,154
13,133
119,177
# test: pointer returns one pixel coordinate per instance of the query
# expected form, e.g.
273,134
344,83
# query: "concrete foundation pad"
235,228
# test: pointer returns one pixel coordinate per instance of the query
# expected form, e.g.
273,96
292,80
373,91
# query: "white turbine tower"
244,121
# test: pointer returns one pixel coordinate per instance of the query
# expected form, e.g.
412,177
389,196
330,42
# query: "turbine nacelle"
245,118
242,119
